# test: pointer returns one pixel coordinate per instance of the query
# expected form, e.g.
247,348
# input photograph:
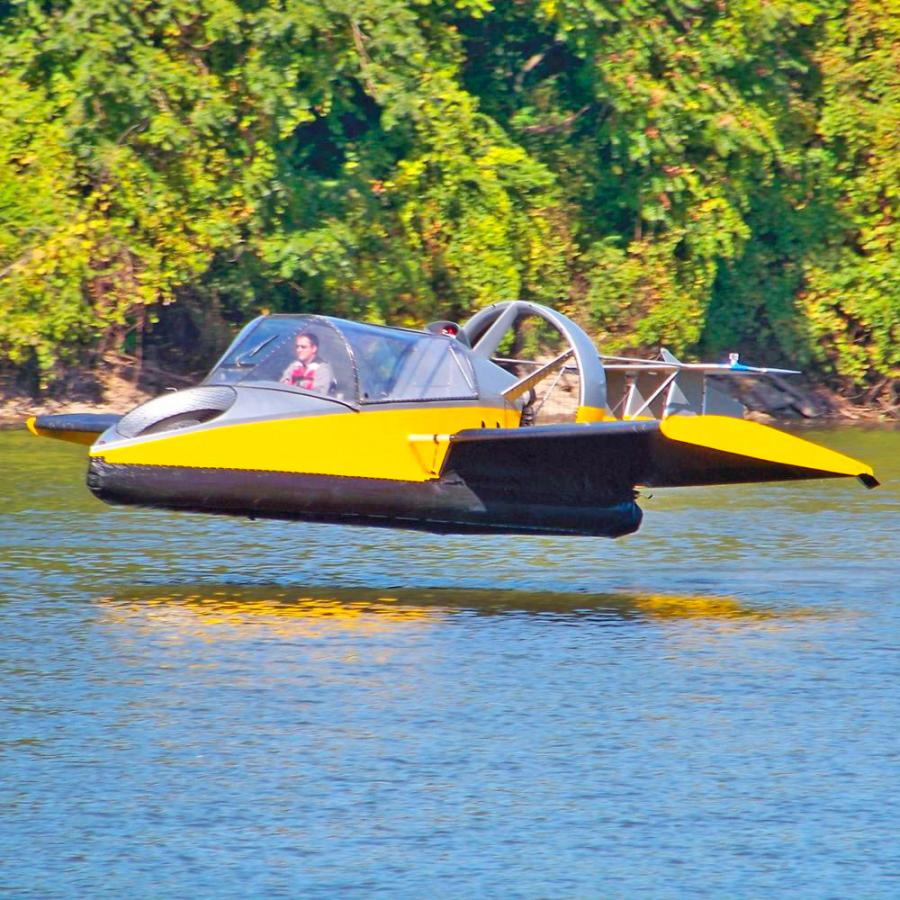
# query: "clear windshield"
303,352
348,361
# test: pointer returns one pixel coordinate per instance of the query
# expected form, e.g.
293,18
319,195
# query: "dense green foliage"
703,175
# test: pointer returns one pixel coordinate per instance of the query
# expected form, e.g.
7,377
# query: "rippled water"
221,708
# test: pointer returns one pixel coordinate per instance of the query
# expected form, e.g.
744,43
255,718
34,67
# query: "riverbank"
117,389
799,399
776,401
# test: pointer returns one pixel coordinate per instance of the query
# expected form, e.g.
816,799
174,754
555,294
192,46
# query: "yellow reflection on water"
220,615
681,606
225,613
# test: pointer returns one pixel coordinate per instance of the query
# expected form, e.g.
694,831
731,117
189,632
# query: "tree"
704,176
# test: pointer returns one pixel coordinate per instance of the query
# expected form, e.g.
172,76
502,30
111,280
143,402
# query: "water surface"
196,706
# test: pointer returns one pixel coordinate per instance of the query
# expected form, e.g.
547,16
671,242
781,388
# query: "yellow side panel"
368,444
758,442
590,414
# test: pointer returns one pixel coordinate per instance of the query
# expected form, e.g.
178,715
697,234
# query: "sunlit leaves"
698,175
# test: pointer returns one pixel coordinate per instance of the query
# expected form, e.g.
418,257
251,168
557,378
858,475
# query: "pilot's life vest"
303,376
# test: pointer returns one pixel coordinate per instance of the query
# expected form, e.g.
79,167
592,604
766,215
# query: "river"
205,707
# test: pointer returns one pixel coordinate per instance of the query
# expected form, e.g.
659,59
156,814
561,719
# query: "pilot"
307,371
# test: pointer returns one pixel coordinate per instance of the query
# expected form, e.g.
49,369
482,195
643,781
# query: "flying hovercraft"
320,419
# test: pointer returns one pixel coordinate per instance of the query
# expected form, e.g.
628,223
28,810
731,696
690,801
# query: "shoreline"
772,401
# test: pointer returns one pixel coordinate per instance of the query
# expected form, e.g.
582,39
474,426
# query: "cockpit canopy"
363,363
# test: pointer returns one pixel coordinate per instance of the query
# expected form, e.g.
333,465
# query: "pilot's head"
306,345
448,329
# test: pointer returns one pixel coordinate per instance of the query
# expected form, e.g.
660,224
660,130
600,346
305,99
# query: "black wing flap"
582,465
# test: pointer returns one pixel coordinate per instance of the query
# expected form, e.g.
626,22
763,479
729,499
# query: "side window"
433,369
379,358
397,366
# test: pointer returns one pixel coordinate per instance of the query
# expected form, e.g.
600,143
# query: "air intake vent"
180,410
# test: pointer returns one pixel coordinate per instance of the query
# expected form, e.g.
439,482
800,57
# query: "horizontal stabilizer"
666,387
77,428
669,363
